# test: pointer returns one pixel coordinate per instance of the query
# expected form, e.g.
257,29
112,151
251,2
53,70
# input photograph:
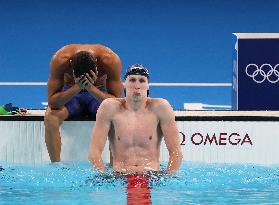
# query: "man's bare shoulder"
73,48
158,103
66,52
112,104
113,101
162,109
62,56
108,57
160,106
103,49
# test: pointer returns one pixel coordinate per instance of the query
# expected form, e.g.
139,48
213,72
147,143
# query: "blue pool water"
195,183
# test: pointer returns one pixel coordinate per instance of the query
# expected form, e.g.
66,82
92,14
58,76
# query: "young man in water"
81,77
136,125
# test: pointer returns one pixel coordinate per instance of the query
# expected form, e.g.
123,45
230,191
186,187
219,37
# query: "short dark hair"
83,62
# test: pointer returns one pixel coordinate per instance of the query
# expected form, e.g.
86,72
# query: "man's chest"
132,124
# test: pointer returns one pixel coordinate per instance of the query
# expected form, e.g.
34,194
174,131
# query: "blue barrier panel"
256,72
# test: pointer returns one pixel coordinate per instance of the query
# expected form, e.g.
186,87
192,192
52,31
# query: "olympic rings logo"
262,73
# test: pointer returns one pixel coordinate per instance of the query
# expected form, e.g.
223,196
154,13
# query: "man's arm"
56,97
99,134
171,135
113,69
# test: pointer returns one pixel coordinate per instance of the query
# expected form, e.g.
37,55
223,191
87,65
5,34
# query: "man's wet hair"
82,63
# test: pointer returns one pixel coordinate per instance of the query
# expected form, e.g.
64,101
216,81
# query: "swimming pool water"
195,183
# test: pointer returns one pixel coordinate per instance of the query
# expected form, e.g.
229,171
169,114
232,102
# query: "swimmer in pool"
81,76
135,126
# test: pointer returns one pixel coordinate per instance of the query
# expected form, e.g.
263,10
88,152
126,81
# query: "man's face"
136,86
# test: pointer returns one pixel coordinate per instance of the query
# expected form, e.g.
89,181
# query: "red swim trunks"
138,191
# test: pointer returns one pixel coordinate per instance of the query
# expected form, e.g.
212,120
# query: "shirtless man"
81,77
136,125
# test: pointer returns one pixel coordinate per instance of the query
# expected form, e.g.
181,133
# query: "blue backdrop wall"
180,41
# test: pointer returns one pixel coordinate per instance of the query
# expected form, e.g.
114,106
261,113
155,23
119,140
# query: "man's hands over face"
87,80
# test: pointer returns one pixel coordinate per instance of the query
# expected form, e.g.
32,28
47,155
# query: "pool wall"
205,136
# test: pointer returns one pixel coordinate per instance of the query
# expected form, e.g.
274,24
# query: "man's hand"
87,80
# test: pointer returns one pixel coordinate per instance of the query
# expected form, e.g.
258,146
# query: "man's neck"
136,104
